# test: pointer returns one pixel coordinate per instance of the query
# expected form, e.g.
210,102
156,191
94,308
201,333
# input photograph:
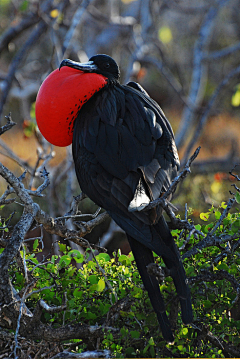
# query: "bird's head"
98,64
64,92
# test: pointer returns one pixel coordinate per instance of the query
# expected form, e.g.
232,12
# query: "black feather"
124,153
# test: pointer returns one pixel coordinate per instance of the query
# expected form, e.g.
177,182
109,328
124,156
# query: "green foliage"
3,223
236,97
90,298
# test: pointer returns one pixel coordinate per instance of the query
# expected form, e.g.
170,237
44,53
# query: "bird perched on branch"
125,156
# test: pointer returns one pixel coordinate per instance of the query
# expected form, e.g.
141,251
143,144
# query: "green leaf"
152,352
190,270
217,214
236,226
223,205
135,334
103,256
91,315
77,293
93,279
198,227
65,260
235,101
125,270
204,216
185,331
207,304
101,285
62,247
223,266
77,256
35,244
24,5
124,331
237,197
124,259
151,341
91,265
93,288
79,259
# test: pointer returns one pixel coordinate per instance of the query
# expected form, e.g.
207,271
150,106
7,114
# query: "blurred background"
185,53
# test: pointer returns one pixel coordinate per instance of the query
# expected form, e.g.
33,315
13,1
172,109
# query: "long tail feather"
143,256
171,258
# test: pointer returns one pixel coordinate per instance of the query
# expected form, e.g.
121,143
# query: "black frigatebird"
125,156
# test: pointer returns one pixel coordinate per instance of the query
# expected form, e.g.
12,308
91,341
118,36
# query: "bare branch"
9,153
198,74
13,31
233,73
18,58
74,24
172,4
88,354
8,125
232,174
52,309
222,53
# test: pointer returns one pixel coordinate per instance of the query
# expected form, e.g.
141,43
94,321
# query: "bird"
125,156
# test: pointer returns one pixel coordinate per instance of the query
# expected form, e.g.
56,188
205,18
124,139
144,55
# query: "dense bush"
92,291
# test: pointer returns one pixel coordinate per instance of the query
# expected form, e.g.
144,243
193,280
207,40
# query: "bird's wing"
133,148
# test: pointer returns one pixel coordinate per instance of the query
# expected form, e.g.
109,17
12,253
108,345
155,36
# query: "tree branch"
32,40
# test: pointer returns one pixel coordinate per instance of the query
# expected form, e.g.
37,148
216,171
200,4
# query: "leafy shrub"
92,290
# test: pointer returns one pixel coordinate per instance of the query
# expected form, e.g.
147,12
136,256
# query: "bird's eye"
107,65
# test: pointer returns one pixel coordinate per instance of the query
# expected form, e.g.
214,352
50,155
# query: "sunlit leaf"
66,259
204,216
62,247
223,205
103,256
216,186
101,285
54,13
165,34
35,244
235,101
151,341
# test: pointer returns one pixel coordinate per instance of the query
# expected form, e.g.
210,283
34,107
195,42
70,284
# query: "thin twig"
8,125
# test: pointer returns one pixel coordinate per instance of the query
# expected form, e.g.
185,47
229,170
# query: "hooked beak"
84,66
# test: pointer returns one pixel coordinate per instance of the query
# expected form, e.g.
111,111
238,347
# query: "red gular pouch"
60,98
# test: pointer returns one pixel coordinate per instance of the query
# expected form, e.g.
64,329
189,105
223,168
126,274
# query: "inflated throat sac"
59,100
